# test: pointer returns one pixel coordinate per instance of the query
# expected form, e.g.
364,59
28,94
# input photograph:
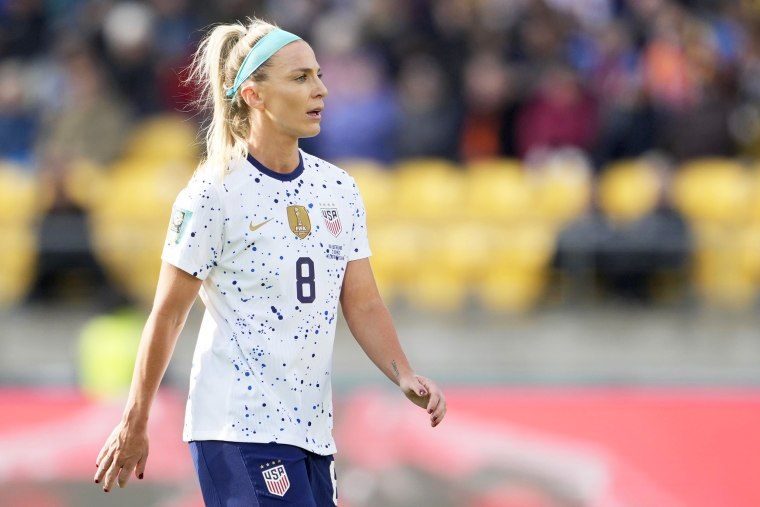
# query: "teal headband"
262,51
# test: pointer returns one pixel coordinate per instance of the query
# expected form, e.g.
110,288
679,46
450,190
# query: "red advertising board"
498,447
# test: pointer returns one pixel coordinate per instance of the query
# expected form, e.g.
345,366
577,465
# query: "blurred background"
564,208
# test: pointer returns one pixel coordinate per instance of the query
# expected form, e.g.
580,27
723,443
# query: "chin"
311,132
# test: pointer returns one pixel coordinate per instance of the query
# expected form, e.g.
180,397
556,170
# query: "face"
290,101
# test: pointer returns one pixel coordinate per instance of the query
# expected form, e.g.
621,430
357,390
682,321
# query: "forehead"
296,55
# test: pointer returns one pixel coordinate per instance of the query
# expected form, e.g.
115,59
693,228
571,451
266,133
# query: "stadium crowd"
460,79
463,80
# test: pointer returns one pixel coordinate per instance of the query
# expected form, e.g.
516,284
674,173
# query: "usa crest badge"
276,479
332,220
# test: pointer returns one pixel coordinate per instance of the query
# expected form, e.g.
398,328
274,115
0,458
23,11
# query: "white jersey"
271,250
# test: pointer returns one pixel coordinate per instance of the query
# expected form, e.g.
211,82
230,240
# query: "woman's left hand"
424,393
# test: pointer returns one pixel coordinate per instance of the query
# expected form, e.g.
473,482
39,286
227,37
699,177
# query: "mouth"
315,113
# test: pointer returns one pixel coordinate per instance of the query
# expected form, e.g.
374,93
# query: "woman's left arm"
370,322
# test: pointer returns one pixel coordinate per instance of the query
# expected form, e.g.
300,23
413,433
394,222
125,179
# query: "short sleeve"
194,237
359,248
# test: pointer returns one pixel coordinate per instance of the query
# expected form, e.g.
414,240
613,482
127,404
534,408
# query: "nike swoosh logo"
255,227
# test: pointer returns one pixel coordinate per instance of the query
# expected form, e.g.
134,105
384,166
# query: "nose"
321,90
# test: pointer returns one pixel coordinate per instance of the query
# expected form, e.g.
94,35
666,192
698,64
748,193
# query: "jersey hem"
212,435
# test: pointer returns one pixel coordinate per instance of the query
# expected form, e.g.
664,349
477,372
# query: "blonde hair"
215,64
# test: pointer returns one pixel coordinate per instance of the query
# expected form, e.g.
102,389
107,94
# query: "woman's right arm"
126,449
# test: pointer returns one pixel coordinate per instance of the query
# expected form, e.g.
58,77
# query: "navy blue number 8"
305,280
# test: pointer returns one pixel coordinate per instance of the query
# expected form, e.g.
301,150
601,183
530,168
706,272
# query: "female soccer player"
273,238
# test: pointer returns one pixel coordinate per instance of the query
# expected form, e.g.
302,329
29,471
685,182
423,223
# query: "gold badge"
298,218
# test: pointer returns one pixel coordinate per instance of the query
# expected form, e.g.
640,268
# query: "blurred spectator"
174,26
649,66
668,77
628,121
698,122
562,113
702,130
490,106
626,258
129,34
591,13
428,123
407,78
540,34
23,28
92,120
89,126
175,37
18,122
296,16
361,109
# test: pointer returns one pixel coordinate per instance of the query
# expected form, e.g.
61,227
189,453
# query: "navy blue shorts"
235,474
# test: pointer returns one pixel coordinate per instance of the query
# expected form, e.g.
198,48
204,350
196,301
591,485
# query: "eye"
319,75
301,78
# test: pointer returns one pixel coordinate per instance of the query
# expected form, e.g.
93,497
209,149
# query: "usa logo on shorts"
276,479
332,220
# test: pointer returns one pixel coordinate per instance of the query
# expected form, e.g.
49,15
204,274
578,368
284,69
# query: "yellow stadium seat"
376,184
564,191
754,205
128,221
495,165
515,278
463,248
145,268
715,196
720,274
18,260
628,190
717,190
164,137
19,210
84,182
511,290
19,194
429,189
398,247
434,289
749,252
135,190
499,190
527,245
454,258
386,284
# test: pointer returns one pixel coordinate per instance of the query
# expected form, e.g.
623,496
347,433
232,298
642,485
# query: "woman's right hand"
125,451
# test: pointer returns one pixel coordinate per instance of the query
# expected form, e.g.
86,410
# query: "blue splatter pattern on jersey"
272,260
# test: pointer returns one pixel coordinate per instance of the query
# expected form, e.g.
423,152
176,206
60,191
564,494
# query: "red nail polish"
140,476
105,490
97,481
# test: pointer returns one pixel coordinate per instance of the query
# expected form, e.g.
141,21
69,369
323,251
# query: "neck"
277,151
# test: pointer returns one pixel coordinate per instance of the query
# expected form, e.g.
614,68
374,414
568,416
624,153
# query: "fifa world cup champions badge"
298,219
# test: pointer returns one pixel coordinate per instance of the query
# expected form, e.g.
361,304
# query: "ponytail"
215,64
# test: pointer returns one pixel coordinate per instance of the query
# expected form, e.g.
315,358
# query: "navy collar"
295,173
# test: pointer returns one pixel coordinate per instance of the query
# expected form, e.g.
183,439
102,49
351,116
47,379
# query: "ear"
252,95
